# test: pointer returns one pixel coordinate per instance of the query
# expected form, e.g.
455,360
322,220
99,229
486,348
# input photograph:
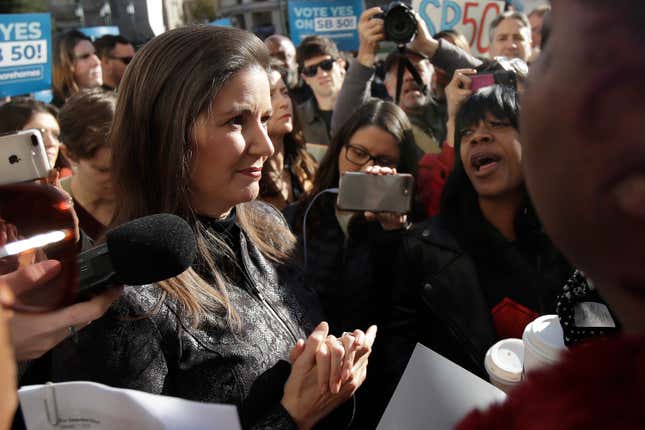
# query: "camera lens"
400,24
34,140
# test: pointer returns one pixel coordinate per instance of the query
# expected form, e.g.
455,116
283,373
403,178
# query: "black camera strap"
405,63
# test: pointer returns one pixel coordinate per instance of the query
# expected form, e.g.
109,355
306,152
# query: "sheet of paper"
435,393
91,406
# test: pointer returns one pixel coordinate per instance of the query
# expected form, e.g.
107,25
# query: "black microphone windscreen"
151,249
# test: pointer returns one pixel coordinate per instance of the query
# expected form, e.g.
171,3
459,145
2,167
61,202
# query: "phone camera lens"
34,140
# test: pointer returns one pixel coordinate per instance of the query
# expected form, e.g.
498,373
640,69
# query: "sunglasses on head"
326,65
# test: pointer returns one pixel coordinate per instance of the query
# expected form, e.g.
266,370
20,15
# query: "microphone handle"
96,272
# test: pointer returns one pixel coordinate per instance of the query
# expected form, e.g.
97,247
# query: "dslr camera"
400,24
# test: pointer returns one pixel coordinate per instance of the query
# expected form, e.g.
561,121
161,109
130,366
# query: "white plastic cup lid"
545,335
505,359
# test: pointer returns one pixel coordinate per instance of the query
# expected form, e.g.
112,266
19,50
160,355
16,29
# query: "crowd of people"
523,186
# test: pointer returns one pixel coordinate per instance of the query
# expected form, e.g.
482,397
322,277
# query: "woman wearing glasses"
76,66
346,250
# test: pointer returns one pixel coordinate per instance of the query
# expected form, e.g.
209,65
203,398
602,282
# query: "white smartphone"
23,157
376,193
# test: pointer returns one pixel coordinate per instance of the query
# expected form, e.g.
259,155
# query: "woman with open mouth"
483,269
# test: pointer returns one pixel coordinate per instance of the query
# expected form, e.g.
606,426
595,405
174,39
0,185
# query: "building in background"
140,20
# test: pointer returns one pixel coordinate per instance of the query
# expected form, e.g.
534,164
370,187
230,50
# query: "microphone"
143,251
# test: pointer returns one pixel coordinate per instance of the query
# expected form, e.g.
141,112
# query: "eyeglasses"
360,157
326,65
124,60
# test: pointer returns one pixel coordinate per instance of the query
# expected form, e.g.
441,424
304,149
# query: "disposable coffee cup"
504,363
543,343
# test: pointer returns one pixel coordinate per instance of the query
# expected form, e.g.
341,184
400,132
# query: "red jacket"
431,177
600,385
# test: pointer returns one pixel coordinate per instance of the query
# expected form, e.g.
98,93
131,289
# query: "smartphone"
376,193
502,77
23,157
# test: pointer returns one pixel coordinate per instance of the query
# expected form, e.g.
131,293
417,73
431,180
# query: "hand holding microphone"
143,251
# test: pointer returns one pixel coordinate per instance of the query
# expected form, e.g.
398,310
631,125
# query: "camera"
400,24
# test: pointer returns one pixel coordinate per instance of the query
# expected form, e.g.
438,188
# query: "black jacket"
445,300
352,276
163,354
346,272
438,302
314,127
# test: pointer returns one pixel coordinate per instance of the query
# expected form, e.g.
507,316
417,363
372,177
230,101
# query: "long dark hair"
303,164
171,81
15,114
63,83
503,103
385,115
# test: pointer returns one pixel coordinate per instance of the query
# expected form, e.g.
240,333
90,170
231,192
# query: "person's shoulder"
136,300
306,110
267,211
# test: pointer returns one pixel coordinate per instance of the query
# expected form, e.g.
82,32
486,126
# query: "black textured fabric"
163,354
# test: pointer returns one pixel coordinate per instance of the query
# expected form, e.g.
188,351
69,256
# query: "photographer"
420,108
349,253
434,169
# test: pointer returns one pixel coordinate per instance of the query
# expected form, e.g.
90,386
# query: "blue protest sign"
222,22
337,20
25,53
96,32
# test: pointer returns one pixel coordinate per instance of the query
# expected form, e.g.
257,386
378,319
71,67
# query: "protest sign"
25,53
337,20
472,18
222,22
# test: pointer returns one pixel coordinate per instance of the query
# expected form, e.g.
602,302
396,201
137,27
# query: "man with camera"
400,24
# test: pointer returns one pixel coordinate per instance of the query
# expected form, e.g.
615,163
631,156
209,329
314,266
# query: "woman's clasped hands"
326,371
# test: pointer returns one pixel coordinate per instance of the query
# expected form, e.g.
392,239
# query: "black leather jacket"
438,301
163,354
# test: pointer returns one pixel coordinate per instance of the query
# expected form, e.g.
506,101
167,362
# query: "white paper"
87,405
435,393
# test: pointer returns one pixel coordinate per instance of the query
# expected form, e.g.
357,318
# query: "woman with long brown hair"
189,138
289,172
76,66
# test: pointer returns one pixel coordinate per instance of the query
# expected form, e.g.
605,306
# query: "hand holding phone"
503,77
23,157
375,192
